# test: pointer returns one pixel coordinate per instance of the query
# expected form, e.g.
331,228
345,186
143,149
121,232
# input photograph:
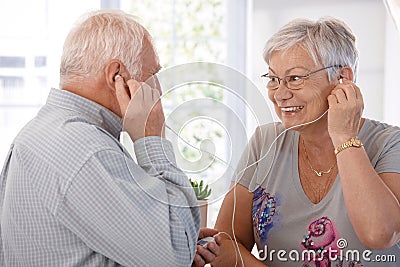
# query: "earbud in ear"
116,75
340,79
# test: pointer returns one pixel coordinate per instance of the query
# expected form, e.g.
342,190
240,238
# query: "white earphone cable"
236,245
239,173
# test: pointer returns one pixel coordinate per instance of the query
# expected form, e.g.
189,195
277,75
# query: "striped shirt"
71,195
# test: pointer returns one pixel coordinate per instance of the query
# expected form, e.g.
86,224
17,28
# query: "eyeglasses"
293,82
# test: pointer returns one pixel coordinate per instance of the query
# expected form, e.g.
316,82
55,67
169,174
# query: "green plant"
201,192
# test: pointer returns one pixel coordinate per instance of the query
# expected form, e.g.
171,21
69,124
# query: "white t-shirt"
288,228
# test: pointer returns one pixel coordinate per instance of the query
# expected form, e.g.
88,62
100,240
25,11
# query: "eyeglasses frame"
284,79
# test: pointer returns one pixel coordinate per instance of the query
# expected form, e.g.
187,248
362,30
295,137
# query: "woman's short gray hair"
329,41
99,37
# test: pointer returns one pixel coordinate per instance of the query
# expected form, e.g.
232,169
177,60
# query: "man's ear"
114,67
346,73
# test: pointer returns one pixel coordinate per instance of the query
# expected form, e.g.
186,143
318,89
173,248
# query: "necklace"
318,173
315,190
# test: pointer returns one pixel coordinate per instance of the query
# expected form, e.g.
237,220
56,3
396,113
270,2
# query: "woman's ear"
346,73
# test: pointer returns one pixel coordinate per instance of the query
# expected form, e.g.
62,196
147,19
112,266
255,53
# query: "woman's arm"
372,200
243,229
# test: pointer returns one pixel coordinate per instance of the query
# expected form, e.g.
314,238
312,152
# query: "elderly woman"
322,187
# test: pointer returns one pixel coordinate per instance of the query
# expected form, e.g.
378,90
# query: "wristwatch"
353,142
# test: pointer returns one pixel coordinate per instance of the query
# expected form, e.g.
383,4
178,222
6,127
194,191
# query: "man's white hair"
99,37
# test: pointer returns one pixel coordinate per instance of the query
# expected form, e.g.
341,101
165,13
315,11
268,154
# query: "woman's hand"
207,254
345,110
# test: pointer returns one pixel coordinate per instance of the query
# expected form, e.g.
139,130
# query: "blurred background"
227,32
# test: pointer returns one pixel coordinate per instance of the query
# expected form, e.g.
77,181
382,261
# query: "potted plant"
202,194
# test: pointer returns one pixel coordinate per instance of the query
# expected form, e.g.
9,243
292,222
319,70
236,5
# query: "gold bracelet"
352,142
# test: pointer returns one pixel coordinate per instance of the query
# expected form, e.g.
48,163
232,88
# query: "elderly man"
71,195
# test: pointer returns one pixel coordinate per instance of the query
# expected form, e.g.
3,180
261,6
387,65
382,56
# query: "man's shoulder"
67,142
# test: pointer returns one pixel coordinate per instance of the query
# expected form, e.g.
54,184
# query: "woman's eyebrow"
288,70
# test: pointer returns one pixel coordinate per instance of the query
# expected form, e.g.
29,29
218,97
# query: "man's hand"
143,113
207,254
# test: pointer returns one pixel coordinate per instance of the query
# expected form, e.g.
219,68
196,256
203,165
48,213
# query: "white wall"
391,94
367,19
29,29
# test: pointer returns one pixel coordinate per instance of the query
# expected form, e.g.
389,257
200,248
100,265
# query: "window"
199,112
184,31
23,85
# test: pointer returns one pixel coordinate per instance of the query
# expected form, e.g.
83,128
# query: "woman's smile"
289,110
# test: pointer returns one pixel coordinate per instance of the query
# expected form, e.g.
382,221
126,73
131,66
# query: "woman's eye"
294,78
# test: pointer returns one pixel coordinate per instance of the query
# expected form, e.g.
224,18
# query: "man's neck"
96,92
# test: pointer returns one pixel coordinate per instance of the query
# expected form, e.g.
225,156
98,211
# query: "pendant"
320,173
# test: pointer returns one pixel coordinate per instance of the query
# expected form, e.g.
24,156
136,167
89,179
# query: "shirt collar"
93,112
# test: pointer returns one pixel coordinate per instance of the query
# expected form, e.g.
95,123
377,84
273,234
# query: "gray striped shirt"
71,195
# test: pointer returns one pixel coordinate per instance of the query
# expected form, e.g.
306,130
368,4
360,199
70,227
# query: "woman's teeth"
292,109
